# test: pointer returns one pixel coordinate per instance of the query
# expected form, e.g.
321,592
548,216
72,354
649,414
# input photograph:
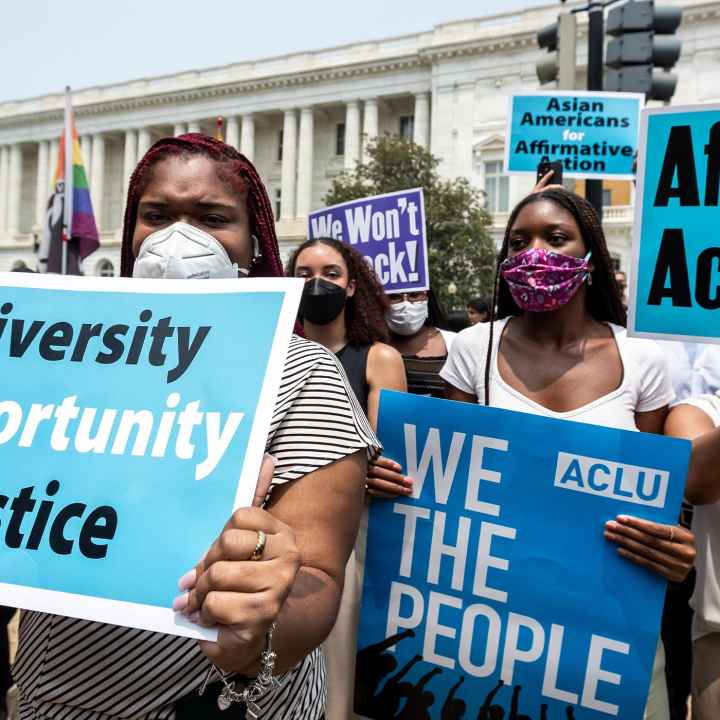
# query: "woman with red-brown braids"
196,208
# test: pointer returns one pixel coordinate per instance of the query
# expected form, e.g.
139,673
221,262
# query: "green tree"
461,250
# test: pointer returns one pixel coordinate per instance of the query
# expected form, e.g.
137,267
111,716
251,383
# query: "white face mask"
406,318
182,251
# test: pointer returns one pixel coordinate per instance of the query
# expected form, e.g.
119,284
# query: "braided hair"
603,298
365,310
234,170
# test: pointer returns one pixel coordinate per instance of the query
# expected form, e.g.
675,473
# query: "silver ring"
259,546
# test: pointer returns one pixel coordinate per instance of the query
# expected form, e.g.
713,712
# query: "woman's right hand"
385,479
239,595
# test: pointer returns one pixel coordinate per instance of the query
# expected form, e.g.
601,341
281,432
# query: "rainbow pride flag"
70,233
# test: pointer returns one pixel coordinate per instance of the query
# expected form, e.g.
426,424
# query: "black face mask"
322,301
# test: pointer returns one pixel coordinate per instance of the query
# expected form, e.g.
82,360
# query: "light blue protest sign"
593,134
388,230
492,592
675,288
133,419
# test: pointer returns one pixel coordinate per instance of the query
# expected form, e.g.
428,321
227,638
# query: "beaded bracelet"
252,692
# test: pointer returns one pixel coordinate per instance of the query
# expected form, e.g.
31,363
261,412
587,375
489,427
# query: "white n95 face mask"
182,251
406,318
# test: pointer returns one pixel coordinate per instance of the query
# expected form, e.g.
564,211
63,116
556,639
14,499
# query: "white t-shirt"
706,526
645,384
448,337
687,362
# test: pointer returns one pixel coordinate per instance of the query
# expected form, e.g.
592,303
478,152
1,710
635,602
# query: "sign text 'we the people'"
479,543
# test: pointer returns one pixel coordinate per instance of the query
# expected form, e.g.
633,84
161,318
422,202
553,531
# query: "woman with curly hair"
343,308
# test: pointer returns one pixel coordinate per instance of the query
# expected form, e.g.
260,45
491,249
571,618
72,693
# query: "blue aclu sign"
492,592
388,230
133,418
676,251
593,135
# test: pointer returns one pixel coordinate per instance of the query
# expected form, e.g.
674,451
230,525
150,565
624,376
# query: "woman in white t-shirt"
698,419
558,348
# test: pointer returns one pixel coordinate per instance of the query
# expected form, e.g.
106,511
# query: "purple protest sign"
389,230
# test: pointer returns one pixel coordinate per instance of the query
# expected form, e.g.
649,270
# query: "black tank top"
353,358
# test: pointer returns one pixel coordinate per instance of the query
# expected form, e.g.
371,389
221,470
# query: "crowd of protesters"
551,341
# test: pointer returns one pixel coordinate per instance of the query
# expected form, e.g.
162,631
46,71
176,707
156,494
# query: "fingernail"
187,581
194,617
611,525
623,518
180,602
407,490
408,481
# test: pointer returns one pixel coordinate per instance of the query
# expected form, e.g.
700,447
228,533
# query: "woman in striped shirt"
319,441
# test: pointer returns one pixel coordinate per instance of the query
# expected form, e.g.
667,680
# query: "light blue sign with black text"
133,420
675,288
593,135
492,592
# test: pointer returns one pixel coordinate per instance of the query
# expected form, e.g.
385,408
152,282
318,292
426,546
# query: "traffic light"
643,49
559,40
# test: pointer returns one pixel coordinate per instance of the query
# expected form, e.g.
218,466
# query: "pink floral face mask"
542,280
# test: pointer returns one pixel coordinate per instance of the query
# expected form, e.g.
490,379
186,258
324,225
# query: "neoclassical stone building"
303,118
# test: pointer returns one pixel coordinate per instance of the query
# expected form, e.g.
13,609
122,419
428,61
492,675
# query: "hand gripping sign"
133,419
675,293
593,135
491,592
388,230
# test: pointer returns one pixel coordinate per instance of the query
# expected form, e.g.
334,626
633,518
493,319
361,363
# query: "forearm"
306,619
703,484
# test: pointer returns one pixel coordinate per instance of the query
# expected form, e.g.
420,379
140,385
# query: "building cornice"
270,82
415,52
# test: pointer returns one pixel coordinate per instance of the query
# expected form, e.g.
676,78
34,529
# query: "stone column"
52,162
179,129
42,186
97,177
370,124
305,162
289,166
86,150
129,159
232,132
194,127
421,125
247,137
352,134
4,184
143,143
14,191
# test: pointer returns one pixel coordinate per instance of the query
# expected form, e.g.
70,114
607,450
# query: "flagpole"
68,200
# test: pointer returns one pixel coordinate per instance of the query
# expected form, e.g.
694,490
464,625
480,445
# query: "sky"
47,44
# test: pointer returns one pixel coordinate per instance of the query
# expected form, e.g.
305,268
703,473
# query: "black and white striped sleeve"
317,418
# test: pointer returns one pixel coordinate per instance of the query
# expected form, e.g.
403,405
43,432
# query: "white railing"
615,214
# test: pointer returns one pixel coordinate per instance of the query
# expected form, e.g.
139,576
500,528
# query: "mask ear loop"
257,255
588,274
255,260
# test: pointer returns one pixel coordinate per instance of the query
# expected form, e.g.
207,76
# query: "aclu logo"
630,483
